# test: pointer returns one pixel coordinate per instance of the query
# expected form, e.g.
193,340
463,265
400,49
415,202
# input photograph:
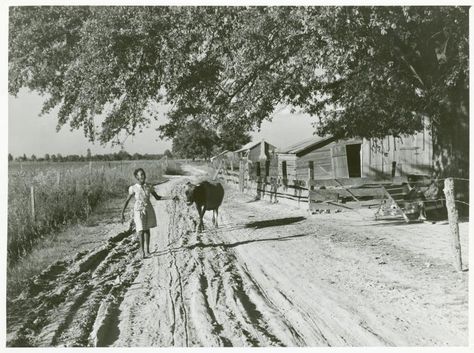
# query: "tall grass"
64,194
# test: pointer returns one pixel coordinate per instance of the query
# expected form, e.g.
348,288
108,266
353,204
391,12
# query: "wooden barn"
323,155
256,151
330,158
261,157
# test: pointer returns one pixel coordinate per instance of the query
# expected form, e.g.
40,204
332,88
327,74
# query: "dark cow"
206,196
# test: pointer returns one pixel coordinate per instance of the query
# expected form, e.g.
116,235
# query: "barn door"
339,161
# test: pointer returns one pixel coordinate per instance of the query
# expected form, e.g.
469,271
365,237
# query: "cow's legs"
202,216
217,217
201,210
198,207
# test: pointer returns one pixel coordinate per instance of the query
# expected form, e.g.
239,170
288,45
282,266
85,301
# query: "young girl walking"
143,212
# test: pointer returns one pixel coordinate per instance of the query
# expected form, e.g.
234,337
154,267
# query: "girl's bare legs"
147,240
142,241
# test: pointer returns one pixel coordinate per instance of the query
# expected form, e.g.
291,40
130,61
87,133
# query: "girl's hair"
135,173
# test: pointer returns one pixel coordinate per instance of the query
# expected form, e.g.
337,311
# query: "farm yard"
269,275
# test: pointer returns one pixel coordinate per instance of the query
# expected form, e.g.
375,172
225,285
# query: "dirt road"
270,275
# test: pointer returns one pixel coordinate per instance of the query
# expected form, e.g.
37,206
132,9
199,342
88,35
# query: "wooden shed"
330,158
254,152
325,155
259,156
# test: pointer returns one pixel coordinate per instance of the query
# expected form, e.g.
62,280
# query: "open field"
270,275
44,196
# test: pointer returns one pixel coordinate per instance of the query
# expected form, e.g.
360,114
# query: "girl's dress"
143,212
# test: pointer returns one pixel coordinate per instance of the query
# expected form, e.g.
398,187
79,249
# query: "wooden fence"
308,191
311,192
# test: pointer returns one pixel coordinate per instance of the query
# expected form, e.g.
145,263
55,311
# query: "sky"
29,133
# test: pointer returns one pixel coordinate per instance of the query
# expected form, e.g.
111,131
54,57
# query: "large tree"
364,71
195,141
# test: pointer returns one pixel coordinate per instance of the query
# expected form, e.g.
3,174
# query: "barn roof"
251,145
307,144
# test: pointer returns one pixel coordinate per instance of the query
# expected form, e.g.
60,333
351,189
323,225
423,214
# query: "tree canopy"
195,141
364,71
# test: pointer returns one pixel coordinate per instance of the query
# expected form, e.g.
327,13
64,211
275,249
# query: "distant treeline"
119,156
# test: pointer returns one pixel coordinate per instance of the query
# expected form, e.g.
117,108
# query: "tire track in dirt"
179,304
251,313
227,308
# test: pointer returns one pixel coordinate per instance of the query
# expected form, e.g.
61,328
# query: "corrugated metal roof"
305,144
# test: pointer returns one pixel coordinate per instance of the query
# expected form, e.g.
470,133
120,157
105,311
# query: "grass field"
63,193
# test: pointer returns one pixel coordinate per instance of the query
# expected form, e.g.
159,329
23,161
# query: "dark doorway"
353,160
283,170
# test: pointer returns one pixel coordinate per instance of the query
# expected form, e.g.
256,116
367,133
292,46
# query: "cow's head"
189,191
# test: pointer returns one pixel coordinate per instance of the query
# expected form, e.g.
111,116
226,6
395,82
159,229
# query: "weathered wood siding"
329,161
254,153
322,163
290,160
273,166
257,166
412,154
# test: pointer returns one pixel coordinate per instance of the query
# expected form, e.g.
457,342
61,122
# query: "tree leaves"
365,71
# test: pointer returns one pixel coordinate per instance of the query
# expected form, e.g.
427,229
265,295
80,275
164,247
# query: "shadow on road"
274,222
233,245
225,245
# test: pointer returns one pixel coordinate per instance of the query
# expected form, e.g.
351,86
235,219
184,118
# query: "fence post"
90,171
241,175
58,178
247,175
33,208
453,222
310,180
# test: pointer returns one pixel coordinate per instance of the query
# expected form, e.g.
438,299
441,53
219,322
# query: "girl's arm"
155,195
125,207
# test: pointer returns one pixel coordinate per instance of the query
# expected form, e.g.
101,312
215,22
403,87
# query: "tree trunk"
451,144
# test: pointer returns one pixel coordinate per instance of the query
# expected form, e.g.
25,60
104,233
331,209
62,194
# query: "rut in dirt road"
214,301
70,302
